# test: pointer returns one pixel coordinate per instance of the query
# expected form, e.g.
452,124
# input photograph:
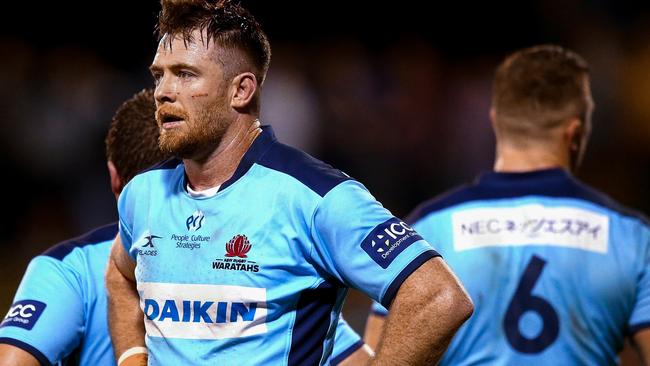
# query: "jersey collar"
255,152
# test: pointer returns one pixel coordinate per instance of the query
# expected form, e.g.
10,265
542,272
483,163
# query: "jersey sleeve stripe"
312,323
633,329
403,275
27,348
343,355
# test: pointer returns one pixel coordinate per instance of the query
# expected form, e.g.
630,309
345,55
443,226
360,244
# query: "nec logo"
23,314
198,311
195,221
388,240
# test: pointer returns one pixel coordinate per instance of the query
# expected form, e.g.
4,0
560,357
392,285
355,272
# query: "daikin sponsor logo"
198,311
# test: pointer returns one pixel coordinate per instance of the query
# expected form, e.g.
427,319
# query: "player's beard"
198,134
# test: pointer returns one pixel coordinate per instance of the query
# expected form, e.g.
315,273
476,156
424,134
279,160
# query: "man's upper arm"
121,259
363,245
641,342
46,319
11,355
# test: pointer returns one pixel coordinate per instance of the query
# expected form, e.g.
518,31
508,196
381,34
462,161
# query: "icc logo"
195,221
238,246
25,311
393,231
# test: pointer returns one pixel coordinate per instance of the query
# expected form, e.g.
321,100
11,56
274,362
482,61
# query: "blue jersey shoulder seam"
93,237
316,175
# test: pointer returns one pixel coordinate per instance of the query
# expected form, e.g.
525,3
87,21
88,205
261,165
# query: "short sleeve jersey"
559,273
258,272
59,311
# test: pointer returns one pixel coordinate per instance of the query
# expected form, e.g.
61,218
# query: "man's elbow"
455,303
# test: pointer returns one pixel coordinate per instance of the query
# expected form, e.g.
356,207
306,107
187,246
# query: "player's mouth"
169,121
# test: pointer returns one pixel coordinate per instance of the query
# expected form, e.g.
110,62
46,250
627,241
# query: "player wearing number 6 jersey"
558,272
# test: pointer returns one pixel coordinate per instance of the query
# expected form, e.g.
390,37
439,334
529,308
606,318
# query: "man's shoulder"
160,176
603,200
164,167
569,189
98,236
313,173
452,197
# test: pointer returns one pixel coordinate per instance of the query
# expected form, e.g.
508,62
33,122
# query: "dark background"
394,94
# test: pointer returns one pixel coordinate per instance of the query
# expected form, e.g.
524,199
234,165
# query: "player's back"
556,270
62,303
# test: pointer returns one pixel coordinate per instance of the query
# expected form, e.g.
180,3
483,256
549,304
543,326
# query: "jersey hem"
343,355
633,329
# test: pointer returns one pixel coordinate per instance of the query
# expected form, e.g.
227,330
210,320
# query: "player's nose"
165,91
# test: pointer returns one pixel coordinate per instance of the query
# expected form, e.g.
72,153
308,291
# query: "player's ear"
116,181
572,133
245,87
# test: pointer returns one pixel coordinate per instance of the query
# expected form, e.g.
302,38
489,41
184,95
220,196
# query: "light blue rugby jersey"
59,311
557,271
257,274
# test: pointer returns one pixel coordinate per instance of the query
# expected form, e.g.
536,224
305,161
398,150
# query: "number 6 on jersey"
524,301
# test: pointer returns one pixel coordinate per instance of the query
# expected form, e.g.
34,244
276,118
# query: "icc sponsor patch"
23,314
386,241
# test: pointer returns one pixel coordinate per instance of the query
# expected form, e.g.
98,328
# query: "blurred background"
394,94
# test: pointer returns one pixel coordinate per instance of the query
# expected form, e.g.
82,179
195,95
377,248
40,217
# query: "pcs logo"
195,221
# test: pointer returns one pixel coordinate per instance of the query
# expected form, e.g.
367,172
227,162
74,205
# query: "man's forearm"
374,330
428,309
124,315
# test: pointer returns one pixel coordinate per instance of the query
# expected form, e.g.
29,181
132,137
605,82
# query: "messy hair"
227,24
132,139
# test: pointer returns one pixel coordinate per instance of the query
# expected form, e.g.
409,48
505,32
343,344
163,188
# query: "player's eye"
185,74
156,77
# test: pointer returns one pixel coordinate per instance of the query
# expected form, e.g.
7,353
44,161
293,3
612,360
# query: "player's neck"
220,164
517,159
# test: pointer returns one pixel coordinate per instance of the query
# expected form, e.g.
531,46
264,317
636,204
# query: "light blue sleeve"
640,318
125,211
46,318
363,245
346,342
377,309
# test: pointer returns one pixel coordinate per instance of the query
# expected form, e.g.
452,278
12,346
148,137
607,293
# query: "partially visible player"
273,237
559,273
59,311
